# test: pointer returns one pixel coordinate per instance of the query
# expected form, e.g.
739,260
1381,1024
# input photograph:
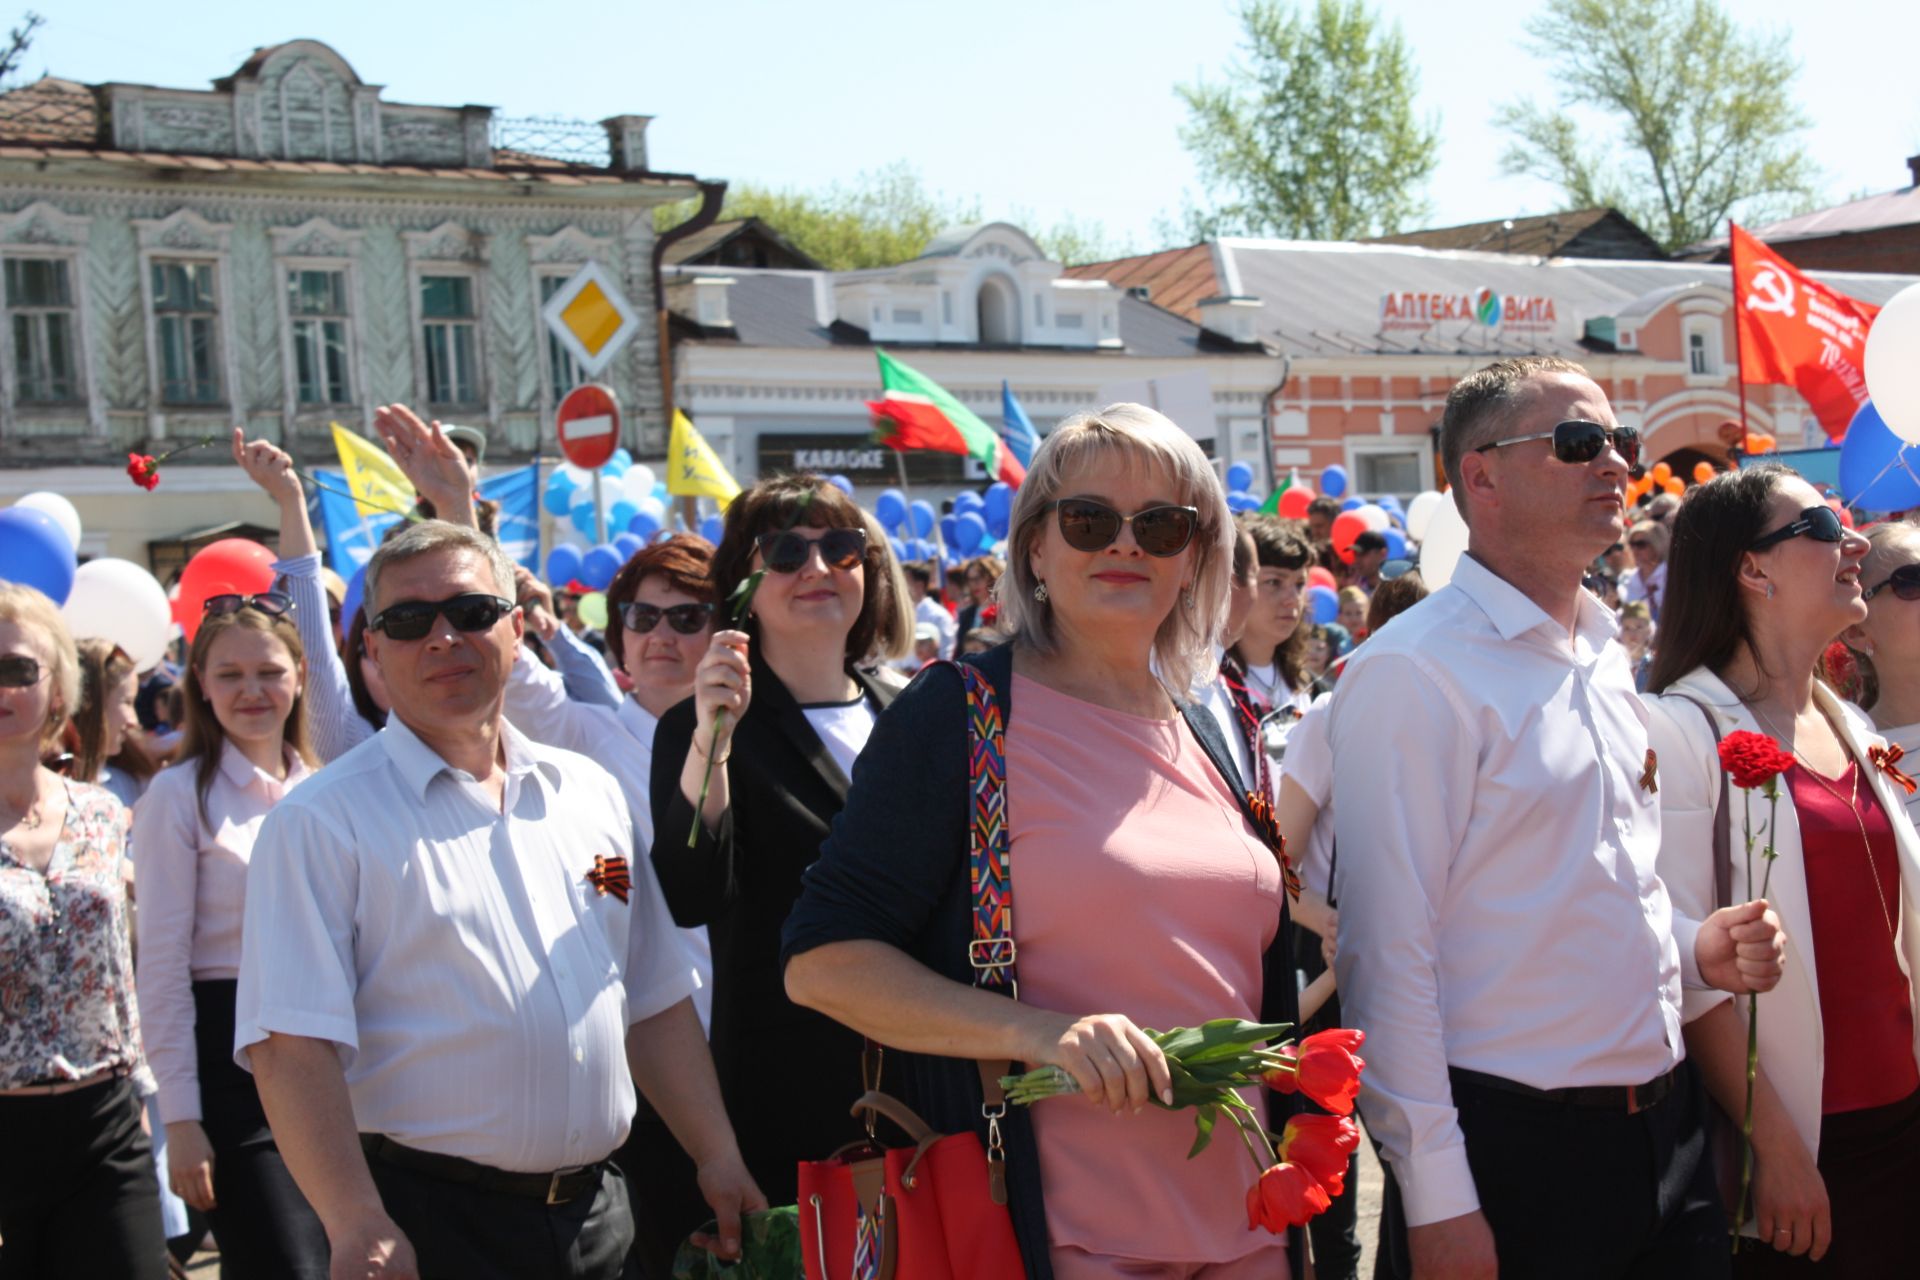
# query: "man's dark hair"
1481,406
920,571
1327,507
1370,541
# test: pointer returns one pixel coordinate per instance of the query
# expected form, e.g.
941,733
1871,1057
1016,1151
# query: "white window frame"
291,325
76,289
475,321
450,250
223,382
186,236
1358,447
319,245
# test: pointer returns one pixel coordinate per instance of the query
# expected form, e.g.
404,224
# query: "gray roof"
1328,299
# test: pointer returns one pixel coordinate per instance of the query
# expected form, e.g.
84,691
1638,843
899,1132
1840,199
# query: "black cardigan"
788,1074
895,871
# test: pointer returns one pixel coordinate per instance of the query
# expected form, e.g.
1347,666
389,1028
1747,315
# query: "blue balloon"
621,513
948,533
558,499
34,552
1333,481
967,500
1351,503
621,458
613,468
1325,603
898,548
1396,544
1877,468
356,595
891,508
563,564
970,530
711,528
599,565
924,518
629,545
1239,477
582,516
999,502
841,483
643,524
1242,502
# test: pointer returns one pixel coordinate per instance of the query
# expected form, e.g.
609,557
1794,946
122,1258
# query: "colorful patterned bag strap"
992,951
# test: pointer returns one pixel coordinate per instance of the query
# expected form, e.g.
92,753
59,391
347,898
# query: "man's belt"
557,1187
1630,1099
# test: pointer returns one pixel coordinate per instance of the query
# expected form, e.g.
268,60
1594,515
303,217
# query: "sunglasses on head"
1578,442
18,671
468,612
1088,525
274,604
687,619
788,550
1904,583
1822,524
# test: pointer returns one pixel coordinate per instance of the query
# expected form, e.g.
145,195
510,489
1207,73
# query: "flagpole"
1739,369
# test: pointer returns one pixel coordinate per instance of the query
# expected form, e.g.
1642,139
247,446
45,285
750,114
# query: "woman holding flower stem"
1763,577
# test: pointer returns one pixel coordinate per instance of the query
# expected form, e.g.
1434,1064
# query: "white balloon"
117,600
578,475
58,509
1375,515
652,506
645,478
1893,363
635,484
1420,511
1441,549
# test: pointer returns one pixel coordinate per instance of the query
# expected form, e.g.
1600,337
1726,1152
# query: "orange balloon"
1662,473
1760,442
1675,486
1704,471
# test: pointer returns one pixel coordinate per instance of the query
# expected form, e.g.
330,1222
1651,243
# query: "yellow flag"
694,470
379,486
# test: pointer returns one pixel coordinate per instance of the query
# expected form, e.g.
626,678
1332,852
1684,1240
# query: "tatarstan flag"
918,413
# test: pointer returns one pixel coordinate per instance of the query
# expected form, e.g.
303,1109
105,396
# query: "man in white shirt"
457,965
1503,939
927,610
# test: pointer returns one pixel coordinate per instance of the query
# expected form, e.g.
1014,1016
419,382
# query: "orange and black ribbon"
1650,776
1267,826
1887,760
609,876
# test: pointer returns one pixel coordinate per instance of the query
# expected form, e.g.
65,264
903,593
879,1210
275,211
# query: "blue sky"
1038,111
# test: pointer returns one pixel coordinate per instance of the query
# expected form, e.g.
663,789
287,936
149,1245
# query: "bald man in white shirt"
457,965
1503,938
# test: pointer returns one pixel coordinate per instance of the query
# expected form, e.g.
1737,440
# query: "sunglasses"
1822,524
1577,443
787,551
1905,582
687,619
1641,544
1087,525
274,604
18,671
412,619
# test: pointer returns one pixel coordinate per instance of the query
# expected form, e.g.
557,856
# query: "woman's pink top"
190,880
1138,888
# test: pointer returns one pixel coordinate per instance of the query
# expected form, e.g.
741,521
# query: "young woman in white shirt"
1268,661
1886,647
245,746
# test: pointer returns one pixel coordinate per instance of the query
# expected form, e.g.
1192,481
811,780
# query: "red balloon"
1294,503
231,566
1320,576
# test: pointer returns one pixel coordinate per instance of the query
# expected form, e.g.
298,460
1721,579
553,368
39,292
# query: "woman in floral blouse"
78,1195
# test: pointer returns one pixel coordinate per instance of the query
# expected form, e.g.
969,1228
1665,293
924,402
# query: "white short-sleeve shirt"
476,983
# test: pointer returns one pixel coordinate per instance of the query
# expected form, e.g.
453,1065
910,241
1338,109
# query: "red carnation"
1286,1196
144,469
1753,759
1322,1145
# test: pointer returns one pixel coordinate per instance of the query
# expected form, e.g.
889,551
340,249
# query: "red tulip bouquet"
1302,1168
1754,762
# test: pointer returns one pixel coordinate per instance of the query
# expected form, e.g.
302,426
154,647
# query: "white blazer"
1791,1037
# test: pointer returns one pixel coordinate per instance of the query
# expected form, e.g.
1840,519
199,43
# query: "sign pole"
599,512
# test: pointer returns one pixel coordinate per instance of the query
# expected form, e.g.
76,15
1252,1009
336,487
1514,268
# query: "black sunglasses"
274,604
1578,443
687,619
787,551
18,671
1087,525
469,612
1905,582
1822,524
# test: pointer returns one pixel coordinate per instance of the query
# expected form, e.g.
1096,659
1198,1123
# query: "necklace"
1853,808
30,819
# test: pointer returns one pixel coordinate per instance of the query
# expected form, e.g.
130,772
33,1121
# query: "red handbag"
935,1210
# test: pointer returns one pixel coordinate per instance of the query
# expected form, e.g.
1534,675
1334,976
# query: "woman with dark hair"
1266,668
1886,644
193,834
780,711
1763,576
981,573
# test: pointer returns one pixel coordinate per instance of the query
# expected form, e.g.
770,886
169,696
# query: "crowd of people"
455,938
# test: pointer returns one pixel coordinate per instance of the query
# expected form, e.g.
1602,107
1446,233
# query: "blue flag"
351,538
1016,428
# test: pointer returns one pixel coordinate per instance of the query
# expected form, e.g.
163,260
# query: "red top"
1865,1004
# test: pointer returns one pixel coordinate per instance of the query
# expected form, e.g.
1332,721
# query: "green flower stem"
1253,1152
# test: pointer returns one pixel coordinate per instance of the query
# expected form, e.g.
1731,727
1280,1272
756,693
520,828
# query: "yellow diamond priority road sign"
591,317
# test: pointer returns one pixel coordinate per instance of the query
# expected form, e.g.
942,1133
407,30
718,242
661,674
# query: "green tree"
1314,135
1707,121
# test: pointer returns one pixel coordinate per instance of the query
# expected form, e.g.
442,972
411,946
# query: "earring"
1186,598
1040,592
1769,591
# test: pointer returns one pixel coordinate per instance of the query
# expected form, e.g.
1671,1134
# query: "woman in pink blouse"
245,745
77,1191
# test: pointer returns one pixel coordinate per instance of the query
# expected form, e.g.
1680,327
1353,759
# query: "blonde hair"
31,611
1888,546
893,637
1352,595
1184,644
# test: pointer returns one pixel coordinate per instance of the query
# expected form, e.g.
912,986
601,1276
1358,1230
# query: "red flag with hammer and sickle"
1797,331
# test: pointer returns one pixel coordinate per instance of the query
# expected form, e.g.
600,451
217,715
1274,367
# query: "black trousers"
1574,1193
266,1228
662,1193
464,1233
1870,1161
77,1191
1334,1233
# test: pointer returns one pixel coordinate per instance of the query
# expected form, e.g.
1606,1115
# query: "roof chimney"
710,304
1913,169
1231,317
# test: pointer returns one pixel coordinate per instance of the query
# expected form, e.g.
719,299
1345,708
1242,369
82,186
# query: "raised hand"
423,453
268,466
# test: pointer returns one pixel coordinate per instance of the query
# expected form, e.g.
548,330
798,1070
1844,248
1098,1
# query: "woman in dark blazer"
797,711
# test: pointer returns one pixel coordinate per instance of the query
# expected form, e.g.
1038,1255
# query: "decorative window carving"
186,317
43,327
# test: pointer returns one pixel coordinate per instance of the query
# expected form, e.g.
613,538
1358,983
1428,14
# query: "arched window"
999,310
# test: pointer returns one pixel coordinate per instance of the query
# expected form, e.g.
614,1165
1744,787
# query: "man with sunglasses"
457,964
1504,939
